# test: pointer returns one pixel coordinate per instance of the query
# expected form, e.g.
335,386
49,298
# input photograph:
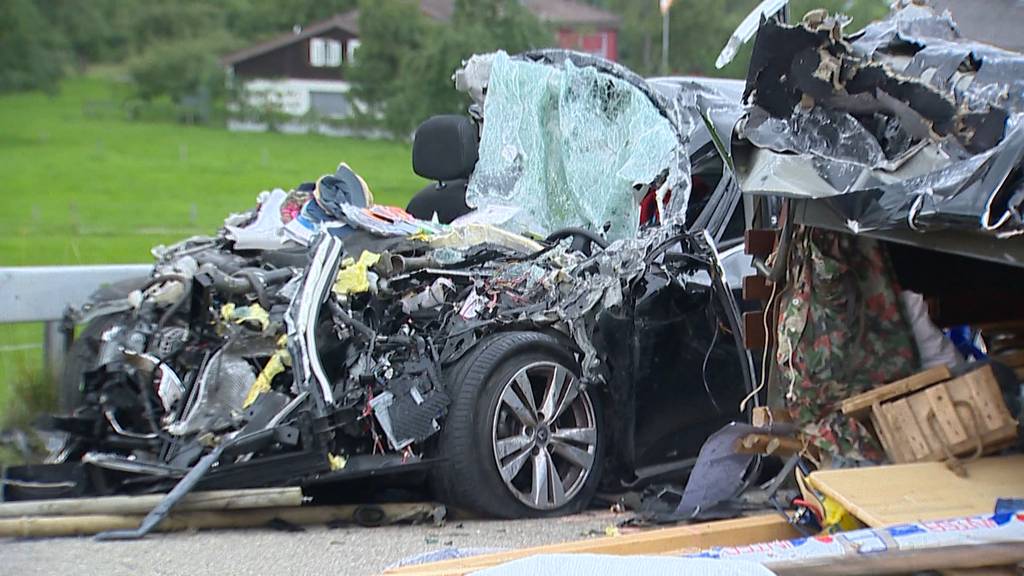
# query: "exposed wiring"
704,367
767,350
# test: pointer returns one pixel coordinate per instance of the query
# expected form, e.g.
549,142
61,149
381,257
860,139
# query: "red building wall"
600,42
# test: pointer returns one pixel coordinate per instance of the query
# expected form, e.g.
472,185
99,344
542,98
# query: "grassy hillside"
83,185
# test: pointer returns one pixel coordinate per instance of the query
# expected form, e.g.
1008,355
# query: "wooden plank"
907,430
986,397
737,532
901,493
884,431
213,500
938,402
760,242
768,444
756,288
763,416
860,403
49,526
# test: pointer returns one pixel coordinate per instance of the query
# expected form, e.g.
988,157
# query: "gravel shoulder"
317,550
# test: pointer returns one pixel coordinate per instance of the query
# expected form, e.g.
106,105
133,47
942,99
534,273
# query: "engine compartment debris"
322,337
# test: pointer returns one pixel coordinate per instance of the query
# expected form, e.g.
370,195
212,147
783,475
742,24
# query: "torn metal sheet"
903,125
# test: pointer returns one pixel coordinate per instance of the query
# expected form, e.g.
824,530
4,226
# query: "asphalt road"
316,551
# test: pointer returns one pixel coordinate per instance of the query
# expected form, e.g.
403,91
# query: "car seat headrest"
445,148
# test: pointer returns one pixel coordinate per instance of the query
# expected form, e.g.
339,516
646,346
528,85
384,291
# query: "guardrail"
43,293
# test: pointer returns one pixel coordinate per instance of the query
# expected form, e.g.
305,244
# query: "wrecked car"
558,318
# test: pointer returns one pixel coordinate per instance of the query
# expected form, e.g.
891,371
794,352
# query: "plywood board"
886,495
737,532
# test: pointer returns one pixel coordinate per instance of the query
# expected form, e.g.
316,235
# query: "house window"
330,104
350,50
324,53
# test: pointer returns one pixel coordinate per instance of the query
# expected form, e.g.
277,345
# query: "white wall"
290,95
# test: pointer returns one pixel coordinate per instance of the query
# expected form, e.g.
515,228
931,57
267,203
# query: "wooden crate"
927,418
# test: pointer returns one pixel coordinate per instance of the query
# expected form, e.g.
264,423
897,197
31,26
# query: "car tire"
490,414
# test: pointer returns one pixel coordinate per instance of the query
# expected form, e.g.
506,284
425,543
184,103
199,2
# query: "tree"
181,68
30,57
253,19
700,28
390,31
87,27
405,63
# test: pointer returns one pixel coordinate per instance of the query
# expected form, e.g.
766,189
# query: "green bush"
180,68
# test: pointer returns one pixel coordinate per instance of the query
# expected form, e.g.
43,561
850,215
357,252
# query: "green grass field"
83,185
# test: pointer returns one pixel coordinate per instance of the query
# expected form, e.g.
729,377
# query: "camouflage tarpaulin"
841,331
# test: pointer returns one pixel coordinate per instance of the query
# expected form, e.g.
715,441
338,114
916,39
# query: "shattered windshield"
568,146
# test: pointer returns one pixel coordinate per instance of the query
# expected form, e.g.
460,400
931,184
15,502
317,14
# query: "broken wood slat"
213,500
763,416
858,404
768,444
737,532
756,288
967,557
382,514
936,400
923,491
760,242
907,430
886,435
981,390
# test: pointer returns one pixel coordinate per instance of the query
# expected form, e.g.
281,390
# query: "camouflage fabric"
841,331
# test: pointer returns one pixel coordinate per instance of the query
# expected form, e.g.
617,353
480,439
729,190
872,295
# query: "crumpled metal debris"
311,336
905,124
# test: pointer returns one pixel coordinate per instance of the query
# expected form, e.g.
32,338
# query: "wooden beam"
768,444
760,242
738,532
753,330
381,514
756,288
861,403
141,505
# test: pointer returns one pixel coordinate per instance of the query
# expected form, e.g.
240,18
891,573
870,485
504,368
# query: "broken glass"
567,146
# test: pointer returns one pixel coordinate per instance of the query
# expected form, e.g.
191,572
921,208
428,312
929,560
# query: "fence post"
56,341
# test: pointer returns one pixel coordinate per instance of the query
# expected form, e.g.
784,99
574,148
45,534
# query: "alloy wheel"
544,435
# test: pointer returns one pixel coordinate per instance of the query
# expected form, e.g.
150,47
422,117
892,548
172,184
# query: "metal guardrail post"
56,342
44,294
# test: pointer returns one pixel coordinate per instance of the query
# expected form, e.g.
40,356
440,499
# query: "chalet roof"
348,22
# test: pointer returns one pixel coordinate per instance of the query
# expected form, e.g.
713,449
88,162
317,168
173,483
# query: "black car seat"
444,149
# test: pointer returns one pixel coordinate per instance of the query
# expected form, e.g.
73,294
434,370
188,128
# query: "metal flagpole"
665,6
